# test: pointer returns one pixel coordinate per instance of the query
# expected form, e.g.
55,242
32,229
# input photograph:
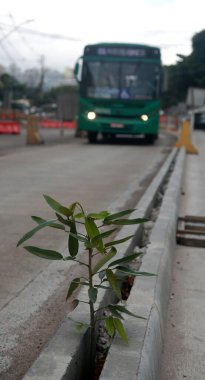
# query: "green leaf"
37,219
114,312
113,282
79,237
57,206
118,241
72,207
105,234
120,329
91,228
98,244
118,215
133,272
44,253
124,222
122,309
66,222
67,258
93,231
109,325
93,293
125,259
99,215
74,304
73,244
30,233
99,237
80,215
73,286
79,326
104,260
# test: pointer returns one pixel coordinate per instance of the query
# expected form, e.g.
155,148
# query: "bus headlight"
144,117
91,115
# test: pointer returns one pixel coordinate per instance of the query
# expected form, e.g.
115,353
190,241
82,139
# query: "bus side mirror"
76,71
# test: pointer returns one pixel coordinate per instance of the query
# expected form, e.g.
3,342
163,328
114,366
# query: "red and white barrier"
48,123
10,127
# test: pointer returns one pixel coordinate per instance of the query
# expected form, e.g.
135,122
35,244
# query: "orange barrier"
48,123
10,127
185,138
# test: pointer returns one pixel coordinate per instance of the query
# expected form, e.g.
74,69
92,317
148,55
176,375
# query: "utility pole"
42,75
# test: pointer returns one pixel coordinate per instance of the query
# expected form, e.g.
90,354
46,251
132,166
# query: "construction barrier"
10,127
33,134
48,123
185,140
169,122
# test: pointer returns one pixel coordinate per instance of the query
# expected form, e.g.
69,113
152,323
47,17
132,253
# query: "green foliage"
98,227
8,83
189,71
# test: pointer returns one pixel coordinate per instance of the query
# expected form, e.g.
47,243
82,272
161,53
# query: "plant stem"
92,315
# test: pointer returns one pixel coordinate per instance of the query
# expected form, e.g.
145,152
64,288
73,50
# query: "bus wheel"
110,137
92,137
105,136
150,139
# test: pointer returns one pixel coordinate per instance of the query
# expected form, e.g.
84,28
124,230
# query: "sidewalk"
184,349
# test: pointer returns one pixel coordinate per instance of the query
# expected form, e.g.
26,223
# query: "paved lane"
97,176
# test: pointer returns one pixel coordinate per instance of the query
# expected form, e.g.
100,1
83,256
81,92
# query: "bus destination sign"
121,51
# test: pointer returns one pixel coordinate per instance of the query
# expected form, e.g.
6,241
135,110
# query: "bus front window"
119,80
101,80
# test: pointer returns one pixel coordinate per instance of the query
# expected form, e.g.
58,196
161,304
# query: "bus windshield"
120,80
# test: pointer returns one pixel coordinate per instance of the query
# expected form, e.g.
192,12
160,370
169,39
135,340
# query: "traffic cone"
33,135
185,138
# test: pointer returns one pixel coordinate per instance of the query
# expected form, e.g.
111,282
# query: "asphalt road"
69,169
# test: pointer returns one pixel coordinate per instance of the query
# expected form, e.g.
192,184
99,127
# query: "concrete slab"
184,349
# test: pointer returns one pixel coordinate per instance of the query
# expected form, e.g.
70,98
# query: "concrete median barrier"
149,296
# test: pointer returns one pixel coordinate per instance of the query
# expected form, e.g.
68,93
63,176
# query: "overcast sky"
169,24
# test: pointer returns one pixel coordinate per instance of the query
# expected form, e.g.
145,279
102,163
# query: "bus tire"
150,138
105,136
92,137
108,136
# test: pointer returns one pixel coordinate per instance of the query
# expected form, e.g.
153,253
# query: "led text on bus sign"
121,52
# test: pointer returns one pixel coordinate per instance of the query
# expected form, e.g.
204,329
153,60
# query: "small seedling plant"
107,272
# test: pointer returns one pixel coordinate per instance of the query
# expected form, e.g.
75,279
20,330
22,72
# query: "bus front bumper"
120,126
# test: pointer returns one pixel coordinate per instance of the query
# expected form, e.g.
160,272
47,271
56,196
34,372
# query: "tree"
189,71
10,88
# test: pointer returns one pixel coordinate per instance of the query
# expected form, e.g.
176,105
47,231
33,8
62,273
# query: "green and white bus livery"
119,90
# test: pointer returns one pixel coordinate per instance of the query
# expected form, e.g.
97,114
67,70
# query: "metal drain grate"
191,231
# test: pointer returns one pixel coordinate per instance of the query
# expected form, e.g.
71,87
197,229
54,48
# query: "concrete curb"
149,296
65,354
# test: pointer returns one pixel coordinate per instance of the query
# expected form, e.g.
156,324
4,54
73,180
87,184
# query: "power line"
44,34
4,48
21,36
12,46
14,29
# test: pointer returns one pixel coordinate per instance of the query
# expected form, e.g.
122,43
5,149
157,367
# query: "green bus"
119,90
